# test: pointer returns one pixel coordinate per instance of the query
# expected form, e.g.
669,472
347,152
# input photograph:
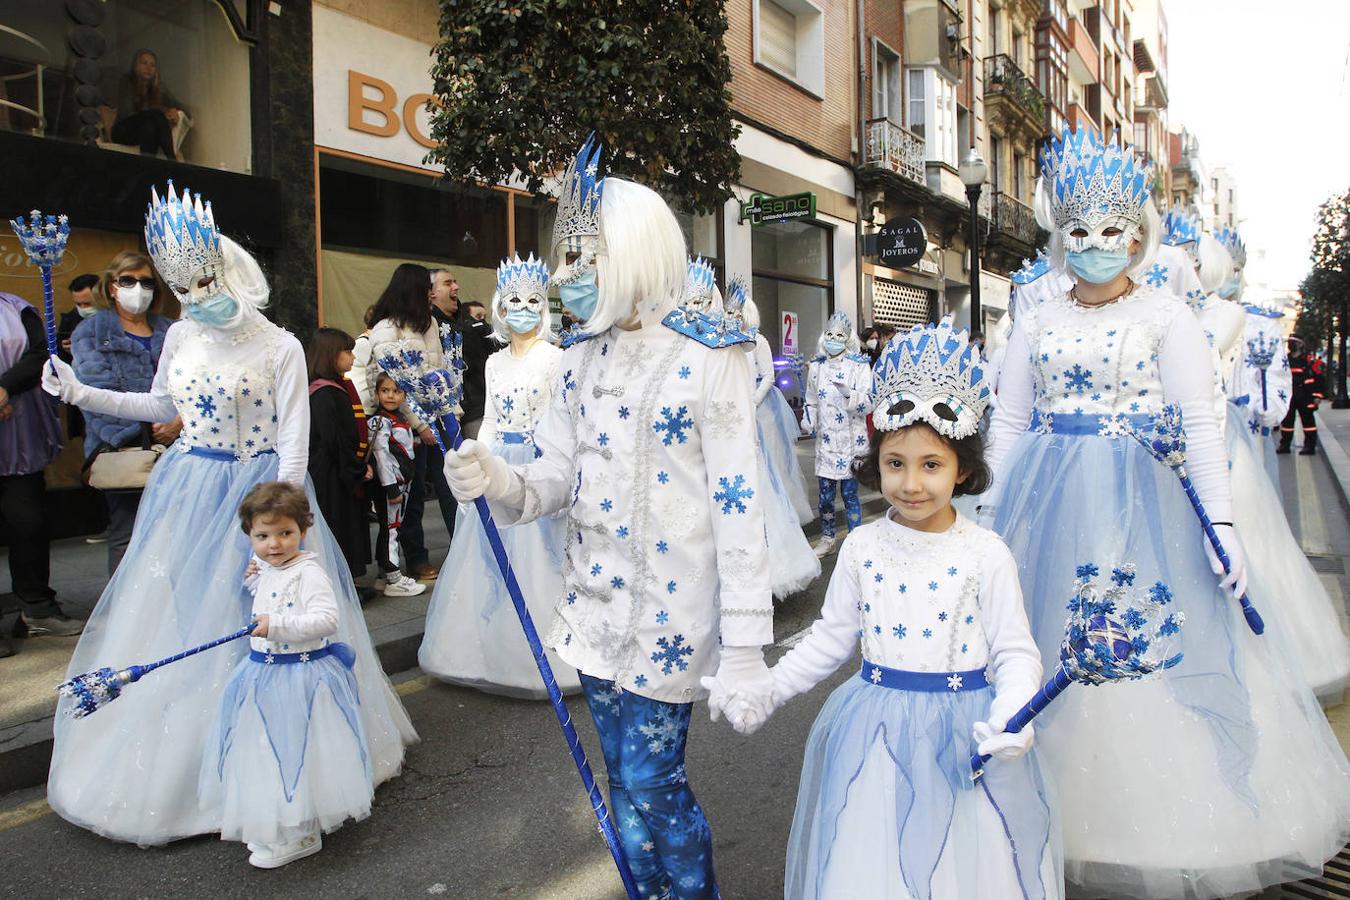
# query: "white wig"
243,278
750,315
1216,265
1150,233
641,269
502,332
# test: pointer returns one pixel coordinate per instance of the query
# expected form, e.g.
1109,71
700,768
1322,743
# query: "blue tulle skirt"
778,433
1218,778
1306,613
886,807
287,756
793,565
131,771
473,636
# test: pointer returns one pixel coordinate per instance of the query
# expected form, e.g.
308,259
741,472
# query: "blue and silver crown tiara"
700,284
733,304
1232,242
43,238
933,374
1181,225
182,238
522,279
839,321
1091,181
579,199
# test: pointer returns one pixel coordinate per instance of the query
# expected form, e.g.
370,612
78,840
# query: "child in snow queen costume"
886,807
792,565
473,636
239,382
1222,776
665,572
837,400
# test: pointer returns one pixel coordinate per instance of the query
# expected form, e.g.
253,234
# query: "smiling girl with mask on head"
240,384
472,634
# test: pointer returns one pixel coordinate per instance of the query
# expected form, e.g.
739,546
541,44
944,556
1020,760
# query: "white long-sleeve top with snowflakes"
1129,357
920,602
837,400
1261,373
298,599
240,392
648,445
518,390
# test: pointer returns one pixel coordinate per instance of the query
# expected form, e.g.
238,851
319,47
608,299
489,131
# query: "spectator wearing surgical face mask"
118,348
82,290
871,343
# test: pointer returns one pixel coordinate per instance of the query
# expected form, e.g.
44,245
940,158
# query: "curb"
26,749
1336,458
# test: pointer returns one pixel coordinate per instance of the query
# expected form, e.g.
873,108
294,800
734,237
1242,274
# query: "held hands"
742,690
472,472
990,736
427,436
1235,582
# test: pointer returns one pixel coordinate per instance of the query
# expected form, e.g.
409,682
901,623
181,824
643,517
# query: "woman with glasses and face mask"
118,348
472,634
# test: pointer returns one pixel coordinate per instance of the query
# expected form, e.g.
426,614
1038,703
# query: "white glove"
742,689
473,471
1235,582
991,737
58,379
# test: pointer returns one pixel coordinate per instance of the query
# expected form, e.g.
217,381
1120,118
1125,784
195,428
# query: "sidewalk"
28,679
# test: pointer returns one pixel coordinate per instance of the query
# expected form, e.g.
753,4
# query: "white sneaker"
404,587
824,546
264,857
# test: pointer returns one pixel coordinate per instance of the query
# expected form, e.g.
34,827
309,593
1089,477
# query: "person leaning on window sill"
146,113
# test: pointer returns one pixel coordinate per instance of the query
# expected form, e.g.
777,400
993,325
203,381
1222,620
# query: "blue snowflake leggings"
852,508
664,832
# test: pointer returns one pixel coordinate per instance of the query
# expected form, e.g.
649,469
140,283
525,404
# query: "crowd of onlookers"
113,336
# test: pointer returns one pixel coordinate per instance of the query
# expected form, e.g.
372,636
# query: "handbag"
125,468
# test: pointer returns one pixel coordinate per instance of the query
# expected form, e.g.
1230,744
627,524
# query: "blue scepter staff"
44,241
1262,353
94,690
1165,440
434,394
1103,644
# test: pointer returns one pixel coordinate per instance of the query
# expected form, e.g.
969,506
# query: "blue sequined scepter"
1165,440
44,241
1102,644
434,395
94,690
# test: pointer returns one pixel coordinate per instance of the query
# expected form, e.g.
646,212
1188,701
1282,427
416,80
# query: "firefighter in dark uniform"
1308,375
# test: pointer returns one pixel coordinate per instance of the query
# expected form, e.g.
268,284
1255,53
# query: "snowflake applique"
670,587
876,675
1078,379
662,617
671,653
206,406
662,547
928,632
157,569
942,616
621,532
632,359
640,681
571,598
508,404
732,494
663,477
722,418
954,682
606,504
684,373
623,412
616,582
603,439
932,585
899,631
1157,276
674,424
596,570
878,578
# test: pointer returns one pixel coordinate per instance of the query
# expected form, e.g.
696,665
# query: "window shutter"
777,37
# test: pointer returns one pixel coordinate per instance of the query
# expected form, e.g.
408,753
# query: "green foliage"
521,83
1327,284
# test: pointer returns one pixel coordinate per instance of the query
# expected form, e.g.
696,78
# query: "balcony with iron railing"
896,149
1014,218
1004,80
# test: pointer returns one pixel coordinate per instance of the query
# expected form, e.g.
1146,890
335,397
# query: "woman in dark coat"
337,448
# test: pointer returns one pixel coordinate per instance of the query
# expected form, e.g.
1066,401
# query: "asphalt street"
489,804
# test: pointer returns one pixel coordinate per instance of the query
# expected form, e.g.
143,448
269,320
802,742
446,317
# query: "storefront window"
793,288
71,81
372,218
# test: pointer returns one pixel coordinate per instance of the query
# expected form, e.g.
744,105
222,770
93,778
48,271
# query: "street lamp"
973,172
